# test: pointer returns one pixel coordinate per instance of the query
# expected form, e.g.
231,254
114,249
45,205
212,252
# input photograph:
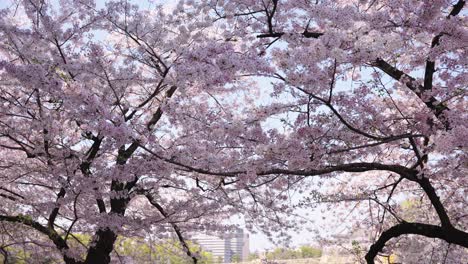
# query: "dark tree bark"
449,234
100,252
58,241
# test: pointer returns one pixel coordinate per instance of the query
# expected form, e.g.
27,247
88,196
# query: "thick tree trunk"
104,239
100,252
103,242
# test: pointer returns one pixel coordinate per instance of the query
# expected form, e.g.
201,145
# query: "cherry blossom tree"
377,86
123,121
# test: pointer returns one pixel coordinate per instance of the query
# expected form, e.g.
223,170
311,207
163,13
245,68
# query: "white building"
227,247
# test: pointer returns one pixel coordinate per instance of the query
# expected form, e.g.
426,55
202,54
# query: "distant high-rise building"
227,247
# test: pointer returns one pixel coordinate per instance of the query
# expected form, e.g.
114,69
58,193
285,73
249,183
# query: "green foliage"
356,246
302,252
16,255
236,259
410,209
310,252
74,240
162,252
283,253
135,249
144,251
253,256
357,251
19,255
25,218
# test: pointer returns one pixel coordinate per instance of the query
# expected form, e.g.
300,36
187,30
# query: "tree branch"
175,227
350,167
450,235
410,82
435,201
58,241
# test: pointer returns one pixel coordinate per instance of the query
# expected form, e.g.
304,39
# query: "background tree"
90,134
310,252
288,253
